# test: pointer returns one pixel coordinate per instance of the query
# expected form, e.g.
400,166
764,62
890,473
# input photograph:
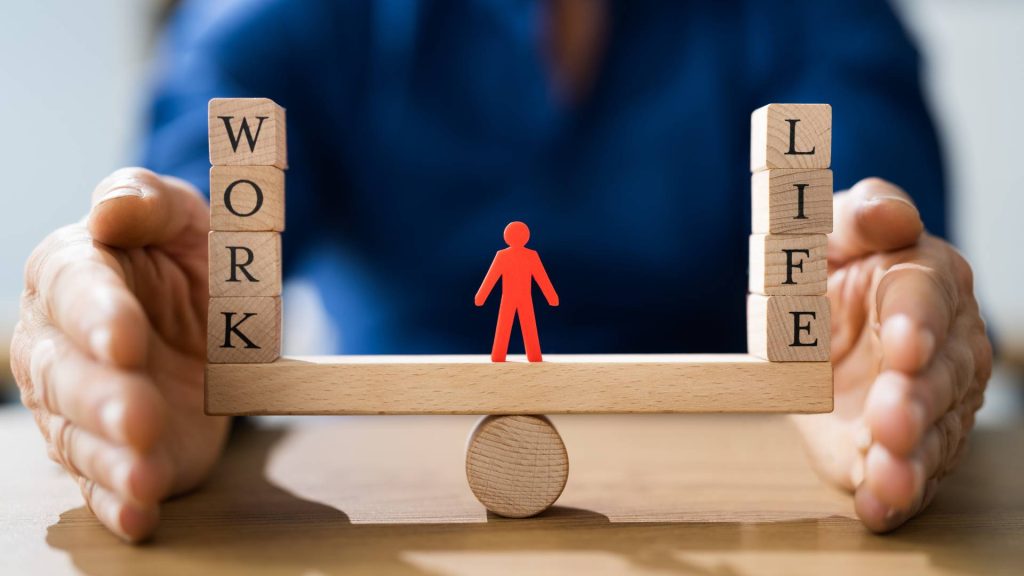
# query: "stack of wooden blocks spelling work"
249,155
787,310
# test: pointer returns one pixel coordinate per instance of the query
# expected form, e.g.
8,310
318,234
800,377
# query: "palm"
856,363
171,285
909,352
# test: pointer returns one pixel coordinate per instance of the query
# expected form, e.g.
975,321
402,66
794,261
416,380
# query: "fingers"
139,478
81,289
916,304
121,407
873,216
897,488
132,522
134,208
899,408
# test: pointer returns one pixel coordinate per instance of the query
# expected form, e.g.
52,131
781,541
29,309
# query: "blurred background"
71,112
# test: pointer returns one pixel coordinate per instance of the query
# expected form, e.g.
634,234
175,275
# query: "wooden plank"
670,383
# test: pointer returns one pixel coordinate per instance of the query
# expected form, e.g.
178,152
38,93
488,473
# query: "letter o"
231,188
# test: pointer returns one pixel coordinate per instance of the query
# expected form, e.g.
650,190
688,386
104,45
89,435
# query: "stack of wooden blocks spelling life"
249,155
787,310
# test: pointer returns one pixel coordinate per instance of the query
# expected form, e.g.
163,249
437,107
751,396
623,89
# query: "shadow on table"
236,524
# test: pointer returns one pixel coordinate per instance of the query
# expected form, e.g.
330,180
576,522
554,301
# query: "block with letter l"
791,136
788,328
243,330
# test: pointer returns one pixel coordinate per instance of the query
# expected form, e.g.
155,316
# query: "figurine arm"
541,276
493,273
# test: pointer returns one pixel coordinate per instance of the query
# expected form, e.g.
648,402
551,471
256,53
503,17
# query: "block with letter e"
788,328
243,330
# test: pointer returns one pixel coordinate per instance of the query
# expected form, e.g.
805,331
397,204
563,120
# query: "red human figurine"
517,266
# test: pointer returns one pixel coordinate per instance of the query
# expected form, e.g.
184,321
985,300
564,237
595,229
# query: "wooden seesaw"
516,462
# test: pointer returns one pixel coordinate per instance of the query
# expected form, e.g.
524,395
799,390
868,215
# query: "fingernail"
99,341
862,438
888,198
112,417
121,192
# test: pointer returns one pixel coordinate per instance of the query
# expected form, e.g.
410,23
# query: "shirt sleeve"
856,56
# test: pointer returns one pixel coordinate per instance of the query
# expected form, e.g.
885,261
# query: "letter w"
235,137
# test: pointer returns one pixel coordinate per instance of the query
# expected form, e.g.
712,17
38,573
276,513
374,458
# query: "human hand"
110,349
909,353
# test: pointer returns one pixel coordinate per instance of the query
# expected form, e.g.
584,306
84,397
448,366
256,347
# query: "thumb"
134,207
873,216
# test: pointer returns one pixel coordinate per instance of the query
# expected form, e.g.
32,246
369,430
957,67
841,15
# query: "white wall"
70,79
72,73
974,51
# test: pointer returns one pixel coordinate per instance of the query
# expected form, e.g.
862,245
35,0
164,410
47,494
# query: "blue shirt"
418,129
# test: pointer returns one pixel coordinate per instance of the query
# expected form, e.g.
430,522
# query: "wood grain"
516,466
803,273
256,268
770,135
775,201
387,496
670,383
262,328
782,328
255,195
270,143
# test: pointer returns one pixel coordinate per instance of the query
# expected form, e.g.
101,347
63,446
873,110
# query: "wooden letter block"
247,198
243,330
247,132
791,136
788,328
791,201
245,264
788,265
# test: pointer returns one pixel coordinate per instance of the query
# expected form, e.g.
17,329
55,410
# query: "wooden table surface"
721,495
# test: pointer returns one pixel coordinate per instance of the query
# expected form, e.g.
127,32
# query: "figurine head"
517,234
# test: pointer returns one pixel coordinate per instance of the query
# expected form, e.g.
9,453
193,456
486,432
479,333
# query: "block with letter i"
788,316
248,153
